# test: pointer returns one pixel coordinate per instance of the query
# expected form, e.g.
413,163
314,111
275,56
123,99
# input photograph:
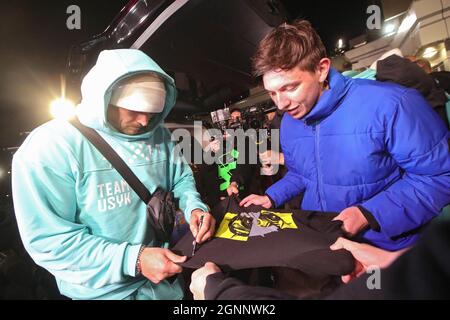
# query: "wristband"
138,261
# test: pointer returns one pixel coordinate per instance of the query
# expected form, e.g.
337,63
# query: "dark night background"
36,42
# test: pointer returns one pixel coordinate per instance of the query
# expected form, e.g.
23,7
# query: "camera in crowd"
221,118
253,117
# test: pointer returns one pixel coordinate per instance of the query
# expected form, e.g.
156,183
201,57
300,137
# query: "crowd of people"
375,152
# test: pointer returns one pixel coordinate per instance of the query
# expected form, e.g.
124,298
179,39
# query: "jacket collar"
330,99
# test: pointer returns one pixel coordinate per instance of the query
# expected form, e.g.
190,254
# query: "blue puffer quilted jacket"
373,144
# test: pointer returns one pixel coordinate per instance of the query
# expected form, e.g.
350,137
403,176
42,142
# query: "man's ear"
323,69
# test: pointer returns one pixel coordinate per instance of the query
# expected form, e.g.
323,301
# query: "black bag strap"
108,152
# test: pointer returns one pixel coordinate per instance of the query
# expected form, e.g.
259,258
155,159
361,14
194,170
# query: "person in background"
442,80
414,73
235,116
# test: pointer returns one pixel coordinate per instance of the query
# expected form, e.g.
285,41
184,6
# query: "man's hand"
365,256
198,279
353,220
257,200
158,264
208,225
233,189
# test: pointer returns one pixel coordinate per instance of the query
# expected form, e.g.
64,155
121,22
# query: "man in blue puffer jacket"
375,152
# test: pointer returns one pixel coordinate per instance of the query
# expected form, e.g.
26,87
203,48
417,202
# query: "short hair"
235,109
288,46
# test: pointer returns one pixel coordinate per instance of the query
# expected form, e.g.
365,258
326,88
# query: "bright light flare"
407,23
389,28
429,52
62,109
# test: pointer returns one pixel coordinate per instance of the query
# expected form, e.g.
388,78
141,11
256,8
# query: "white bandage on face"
143,93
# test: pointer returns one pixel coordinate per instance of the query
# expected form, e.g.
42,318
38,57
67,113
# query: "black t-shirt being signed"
254,237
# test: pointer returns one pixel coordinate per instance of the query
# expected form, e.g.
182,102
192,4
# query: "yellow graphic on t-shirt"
251,224
232,227
283,220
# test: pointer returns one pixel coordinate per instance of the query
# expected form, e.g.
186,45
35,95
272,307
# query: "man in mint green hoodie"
77,216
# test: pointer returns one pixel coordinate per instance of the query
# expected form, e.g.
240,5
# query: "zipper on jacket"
316,130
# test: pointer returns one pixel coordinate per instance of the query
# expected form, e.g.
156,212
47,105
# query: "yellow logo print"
251,224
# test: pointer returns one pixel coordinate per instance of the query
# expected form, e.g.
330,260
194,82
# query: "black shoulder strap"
108,152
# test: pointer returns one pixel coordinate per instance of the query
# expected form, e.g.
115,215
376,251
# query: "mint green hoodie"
77,216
